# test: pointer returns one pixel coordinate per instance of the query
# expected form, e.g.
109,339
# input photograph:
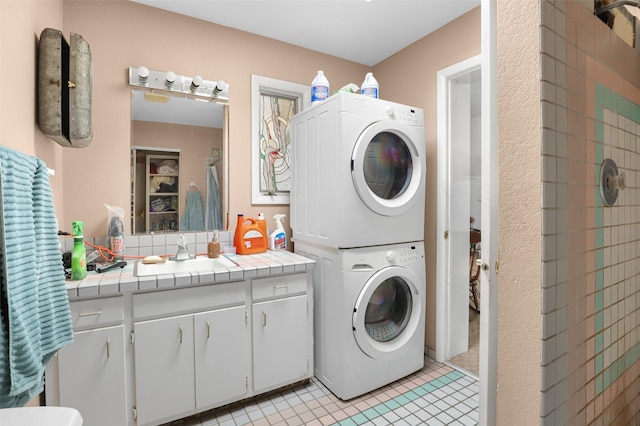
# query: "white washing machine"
358,172
369,310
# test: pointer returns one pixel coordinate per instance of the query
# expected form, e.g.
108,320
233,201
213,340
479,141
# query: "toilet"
38,416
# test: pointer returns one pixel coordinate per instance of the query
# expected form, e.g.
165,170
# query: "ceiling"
366,32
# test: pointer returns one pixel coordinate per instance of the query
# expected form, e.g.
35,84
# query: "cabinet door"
164,369
92,376
279,342
220,354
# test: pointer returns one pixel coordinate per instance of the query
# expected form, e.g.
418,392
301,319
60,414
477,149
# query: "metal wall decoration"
64,89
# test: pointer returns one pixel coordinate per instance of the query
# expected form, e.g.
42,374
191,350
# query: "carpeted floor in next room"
436,395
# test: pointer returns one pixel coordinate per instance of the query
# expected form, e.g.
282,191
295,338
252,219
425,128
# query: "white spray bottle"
278,238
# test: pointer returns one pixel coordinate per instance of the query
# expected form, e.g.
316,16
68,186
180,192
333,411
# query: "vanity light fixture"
169,79
169,82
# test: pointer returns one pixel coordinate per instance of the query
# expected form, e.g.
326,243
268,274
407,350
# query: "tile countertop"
122,280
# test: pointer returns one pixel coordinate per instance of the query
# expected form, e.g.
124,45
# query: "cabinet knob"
264,319
208,330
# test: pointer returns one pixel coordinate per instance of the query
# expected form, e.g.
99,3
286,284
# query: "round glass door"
387,311
387,170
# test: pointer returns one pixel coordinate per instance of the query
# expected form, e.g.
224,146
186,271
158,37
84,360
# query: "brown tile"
300,408
314,403
314,422
274,418
339,415
362,406
288,413
332,407
261,422
319,412
294,421
351,411
327,420
307,417
324,400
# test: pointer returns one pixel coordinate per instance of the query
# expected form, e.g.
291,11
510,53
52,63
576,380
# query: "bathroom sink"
198,264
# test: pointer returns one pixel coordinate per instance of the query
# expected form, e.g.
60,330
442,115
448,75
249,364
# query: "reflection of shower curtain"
213,214
192,218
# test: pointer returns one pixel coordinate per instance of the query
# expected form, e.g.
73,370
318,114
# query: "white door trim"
452,301
489,153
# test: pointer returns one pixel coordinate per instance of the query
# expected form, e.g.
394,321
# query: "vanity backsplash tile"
155,244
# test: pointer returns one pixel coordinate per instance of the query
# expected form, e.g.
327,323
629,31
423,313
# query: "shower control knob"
390,110
391,256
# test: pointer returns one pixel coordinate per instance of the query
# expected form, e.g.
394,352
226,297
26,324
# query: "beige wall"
20,28
409,77
519,216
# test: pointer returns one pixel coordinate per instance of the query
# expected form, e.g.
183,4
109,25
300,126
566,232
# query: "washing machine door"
387,167
387,311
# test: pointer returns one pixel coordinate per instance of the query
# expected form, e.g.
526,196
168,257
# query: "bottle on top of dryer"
370,86
278,238
319,88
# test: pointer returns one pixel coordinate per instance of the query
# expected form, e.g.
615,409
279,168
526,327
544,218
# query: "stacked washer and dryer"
357,209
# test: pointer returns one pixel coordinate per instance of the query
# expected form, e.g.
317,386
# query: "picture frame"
273,104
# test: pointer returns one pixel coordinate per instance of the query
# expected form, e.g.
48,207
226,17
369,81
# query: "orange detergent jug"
249,237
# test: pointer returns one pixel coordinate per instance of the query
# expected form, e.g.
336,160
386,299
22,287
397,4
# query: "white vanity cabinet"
188,363
281,336
89,374
148,355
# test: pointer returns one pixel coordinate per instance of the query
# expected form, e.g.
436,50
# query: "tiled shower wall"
590,90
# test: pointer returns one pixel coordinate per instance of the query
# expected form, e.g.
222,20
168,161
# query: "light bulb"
143,75
196,82
170,78
220,86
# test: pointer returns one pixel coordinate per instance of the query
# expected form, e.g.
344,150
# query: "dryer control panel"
404,114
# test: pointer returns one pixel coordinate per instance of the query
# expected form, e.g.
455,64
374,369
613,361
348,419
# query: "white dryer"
369,311
358,172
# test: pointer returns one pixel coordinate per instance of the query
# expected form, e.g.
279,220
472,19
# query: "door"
387,167
220,355
279,342
388,312
164,368
92,376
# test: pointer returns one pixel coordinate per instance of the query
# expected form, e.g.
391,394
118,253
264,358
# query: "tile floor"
469,360
436,395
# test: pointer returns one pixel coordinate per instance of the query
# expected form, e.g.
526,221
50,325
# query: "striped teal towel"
35,320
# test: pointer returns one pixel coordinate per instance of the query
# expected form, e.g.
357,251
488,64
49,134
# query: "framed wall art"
273,104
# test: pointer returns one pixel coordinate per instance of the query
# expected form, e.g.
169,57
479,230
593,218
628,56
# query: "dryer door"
387,167
387,312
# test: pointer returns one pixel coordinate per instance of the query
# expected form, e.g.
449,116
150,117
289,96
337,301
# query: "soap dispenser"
213,248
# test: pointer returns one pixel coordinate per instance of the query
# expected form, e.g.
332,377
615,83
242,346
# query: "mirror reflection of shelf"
163,192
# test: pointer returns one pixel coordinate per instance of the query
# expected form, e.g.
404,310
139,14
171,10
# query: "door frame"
452,312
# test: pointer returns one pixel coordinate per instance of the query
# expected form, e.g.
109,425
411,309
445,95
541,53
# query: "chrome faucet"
183,252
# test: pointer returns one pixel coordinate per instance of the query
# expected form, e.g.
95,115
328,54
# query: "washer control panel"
404,255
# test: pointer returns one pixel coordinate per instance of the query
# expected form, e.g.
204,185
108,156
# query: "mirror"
179,146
